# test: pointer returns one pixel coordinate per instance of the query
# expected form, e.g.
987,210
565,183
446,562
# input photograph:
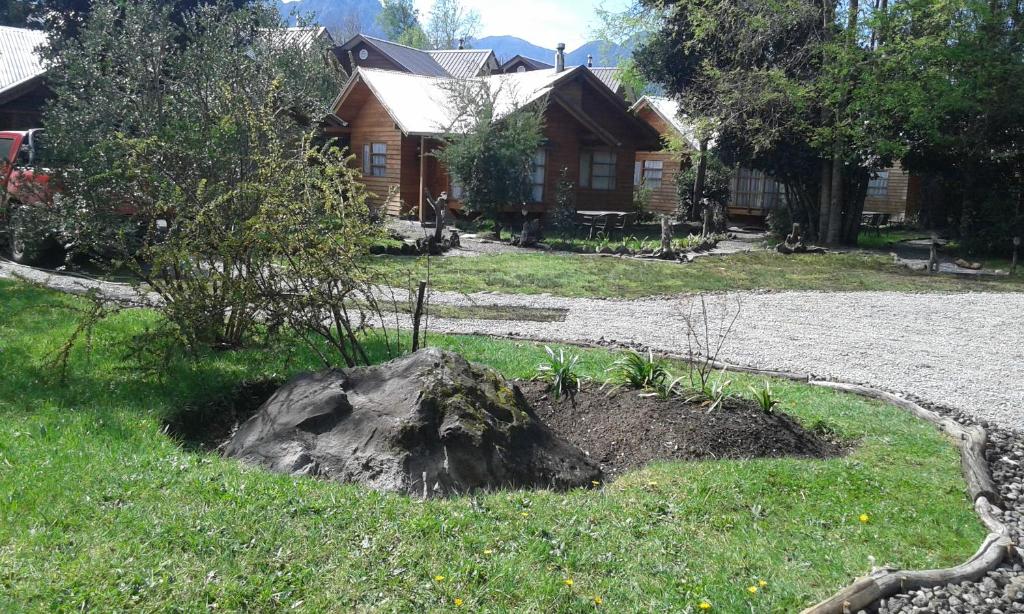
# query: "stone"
1014,590
427,424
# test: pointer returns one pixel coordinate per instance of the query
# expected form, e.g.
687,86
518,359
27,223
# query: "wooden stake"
417,315
1013,262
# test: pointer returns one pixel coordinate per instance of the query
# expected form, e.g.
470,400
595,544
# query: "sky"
542,22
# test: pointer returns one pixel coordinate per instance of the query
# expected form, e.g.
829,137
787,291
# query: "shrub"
560,371
562,218
640,371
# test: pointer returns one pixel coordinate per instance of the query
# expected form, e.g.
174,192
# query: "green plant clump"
561,372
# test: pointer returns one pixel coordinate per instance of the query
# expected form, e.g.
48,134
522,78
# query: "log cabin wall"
371,124
664,198
374,59
889,196
24,110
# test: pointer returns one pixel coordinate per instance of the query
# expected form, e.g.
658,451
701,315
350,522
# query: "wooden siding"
24,111
894,202
375,59
370,124
666,198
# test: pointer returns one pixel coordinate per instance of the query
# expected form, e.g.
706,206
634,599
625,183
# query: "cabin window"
648,173
878,185
756,190
597,169
537,173
375,159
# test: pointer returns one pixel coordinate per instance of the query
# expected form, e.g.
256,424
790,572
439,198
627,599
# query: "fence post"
417,314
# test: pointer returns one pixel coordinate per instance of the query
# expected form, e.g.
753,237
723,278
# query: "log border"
865,592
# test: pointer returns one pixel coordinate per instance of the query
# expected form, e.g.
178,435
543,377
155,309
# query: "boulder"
427,424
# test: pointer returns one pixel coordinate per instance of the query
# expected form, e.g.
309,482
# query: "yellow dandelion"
704,605
458,602
568,582
488,551
762,583
595,482
598,600
524,514
652,484
864,518
438,578
751,589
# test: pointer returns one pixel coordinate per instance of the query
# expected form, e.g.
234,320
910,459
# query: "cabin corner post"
423,166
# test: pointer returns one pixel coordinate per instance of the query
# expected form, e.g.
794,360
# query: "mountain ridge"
344,18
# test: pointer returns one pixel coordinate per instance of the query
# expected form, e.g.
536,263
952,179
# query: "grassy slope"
577,275
99,510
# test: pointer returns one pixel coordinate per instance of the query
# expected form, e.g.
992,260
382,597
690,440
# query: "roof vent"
560,58
462,44
590,60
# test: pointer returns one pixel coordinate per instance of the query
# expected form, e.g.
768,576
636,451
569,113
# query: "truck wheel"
25,248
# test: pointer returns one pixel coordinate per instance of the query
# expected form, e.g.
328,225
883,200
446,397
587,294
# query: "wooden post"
423,166
933,256
666,235
1013,261
440,209
417,315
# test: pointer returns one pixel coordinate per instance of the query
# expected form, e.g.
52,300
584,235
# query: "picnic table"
604,221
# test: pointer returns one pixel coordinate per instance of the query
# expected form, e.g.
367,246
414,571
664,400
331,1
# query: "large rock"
430,414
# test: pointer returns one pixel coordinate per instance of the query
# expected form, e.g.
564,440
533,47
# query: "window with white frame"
537,173
375,159
597,169
748,188
651,174
878,185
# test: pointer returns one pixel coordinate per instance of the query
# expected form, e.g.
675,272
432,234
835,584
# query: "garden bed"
624,430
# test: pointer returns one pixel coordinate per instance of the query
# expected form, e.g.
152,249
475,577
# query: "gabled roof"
462,63
668,110
421,106
302,36
610,76
530,62
19,61
416,61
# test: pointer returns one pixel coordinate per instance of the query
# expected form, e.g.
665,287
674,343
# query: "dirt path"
964,351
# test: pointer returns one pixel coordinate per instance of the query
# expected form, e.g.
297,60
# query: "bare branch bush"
707,330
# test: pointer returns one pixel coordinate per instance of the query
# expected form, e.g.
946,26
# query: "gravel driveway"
959,350
964,351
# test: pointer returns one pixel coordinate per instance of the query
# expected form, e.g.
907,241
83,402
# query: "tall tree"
450,23
400,21
777,78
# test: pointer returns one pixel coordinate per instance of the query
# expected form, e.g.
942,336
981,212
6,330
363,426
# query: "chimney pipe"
560,58
462,44
590,60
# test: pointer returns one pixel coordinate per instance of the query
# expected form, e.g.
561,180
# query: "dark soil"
623,430
620,431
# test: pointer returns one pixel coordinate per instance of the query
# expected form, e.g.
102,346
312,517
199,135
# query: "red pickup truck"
27,188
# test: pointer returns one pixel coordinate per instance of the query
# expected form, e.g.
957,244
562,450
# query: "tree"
490,152
450,22
191,142
627,28
400,21
777,78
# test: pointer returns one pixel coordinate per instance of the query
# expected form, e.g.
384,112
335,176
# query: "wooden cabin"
394,118
521,63
658,169
23,90
363,51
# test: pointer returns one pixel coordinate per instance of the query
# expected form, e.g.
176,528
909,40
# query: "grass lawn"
581,276
100,510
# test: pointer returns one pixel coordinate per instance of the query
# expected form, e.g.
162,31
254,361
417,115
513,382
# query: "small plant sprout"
765,398
560,371
716,392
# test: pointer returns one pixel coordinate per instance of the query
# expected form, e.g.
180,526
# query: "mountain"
505,47
343,18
